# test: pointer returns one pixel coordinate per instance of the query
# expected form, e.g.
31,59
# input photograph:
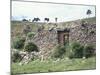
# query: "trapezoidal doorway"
63,36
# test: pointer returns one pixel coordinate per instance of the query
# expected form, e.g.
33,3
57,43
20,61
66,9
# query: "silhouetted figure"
24,20
56,19
35,20
46,19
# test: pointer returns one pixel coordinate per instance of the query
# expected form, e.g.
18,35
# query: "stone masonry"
46,40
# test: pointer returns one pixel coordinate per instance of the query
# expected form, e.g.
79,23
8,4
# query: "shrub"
31,47
76,50
16,57
59,52
31,34
19,43
79,51
89,51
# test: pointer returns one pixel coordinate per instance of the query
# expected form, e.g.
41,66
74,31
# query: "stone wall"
83,35
46,41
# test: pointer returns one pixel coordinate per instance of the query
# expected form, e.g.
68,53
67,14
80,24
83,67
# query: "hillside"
47,38
56,47
71,24
17,26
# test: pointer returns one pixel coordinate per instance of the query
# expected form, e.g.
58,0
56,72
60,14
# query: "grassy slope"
91,20
63,65
20,25
17,26
50,66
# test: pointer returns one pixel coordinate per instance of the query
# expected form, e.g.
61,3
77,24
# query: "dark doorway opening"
63,37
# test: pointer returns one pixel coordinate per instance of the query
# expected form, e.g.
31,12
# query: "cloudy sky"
63,12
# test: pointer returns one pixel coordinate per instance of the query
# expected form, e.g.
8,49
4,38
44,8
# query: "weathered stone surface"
46,40
83,36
